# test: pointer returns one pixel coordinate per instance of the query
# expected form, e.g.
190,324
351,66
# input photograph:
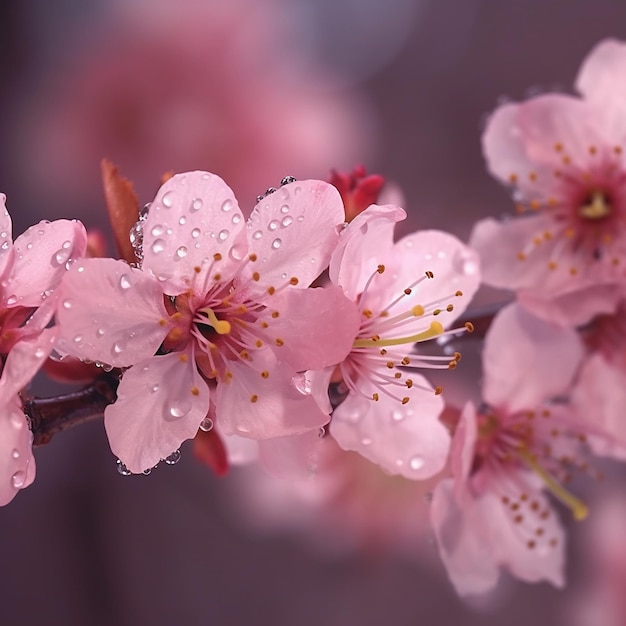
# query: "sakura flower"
494,513
30,270
218,312
564,156
405,293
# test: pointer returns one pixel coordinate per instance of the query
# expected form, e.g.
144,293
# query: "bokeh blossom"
564,156
406,292
505,454
219,309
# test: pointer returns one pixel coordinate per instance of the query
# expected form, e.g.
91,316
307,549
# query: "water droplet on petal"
78,338
416,463
157,230
100,332
300,218
66,245
287,221
67,304
18,479
227,205
302,384
168,199
465,263
206,425
179,409
39,353
6,245
122,469
195,233
276,243
158,246
118,348
125,282
181,253
11,300
183,220
155,387
223,235
236,218
284,208
61,257
196,204
173,458
147,472
397,415
273,225
366,441
237,252
257,234
15,453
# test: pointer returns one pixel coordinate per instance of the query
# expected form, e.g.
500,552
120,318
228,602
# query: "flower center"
597,208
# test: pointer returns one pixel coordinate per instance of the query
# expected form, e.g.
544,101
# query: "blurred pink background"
256,90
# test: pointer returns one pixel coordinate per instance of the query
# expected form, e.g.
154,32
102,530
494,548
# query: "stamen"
578,507
434,329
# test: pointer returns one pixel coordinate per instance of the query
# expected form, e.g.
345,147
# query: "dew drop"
366,441
66,245
177,409
158,246
18,479
6,246
287,221
157,230
181,253
206,425
173,458
300,218
284,276
182,221
196,204
78,338
168,199
61,257
465,263
11,300
195,233
284,208
237,252
118,348
223,235
273,225
236,218
147,472
416,463
39,353
15,453
155,388
397,415
67,304
29,245
122,469
276,243
100,332
302,384
227,205
125,282
257,234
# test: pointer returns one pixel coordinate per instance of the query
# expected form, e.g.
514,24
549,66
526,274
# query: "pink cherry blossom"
30,270
406,292
344,504
219,310
564,157
494,514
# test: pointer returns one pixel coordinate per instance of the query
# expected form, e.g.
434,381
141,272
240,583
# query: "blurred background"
255,90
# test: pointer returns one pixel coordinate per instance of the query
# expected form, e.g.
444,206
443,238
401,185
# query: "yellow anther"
271,291
406,360
252,257
429,274
513,179
183,358
405,399
217,256
438,390
256,276
279,341
407,292
390,364
598,208
409,383
265,374
450,308
217,276
418,310
258,343
436,311
195,391
293,280
458,293
197,269
275,314
380,269
375,397
254,398
469,327
221,327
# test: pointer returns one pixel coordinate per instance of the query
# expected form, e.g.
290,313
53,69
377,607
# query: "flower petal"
160,403
306,336
405,439
291,457
194,217
363,246
42,254
6,241
265,407
293,233
518,343
111,312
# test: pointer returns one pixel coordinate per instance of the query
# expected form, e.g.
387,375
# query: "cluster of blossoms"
262,339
